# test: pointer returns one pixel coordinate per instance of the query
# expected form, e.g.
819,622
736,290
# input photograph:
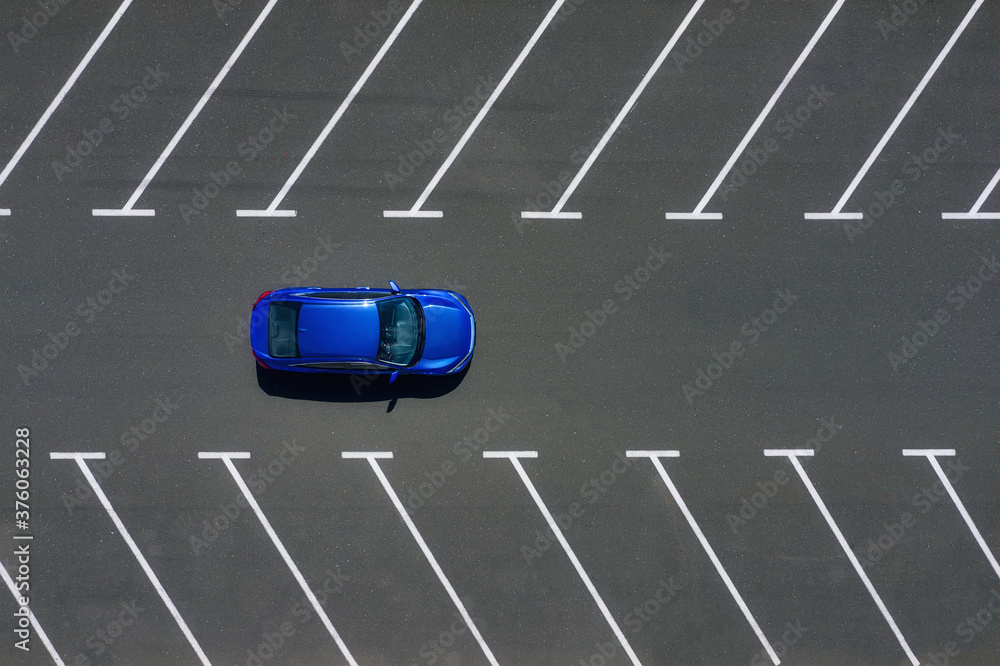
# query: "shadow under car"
337,387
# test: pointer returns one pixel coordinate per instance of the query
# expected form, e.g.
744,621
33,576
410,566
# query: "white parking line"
372,458
698,213
31,617
974,213
272,210
557,212
932,456
415,212
128,209
514,457
59,97
837,212
793,457
654,457
227,457
80,457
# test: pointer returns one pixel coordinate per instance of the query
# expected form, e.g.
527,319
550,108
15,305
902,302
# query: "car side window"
362,294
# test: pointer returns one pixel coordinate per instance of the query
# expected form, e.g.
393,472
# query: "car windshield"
282,335
401,326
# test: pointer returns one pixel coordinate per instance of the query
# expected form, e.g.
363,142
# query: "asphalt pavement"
833,344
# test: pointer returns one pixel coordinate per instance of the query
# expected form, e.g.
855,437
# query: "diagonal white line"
961,509
906,107
432,560
554,526
986,193
99,492
31,617
343,106
300,579
64,91
474,125
715,560
628,106
200,105
853,558
770,105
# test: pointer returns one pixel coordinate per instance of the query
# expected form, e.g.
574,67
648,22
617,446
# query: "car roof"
343,329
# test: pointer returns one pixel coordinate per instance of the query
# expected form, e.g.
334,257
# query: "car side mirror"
393,376
395,287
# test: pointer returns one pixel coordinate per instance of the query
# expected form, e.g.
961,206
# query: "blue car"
363,330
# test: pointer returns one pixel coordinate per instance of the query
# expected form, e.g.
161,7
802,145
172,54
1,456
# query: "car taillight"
261,297
260,362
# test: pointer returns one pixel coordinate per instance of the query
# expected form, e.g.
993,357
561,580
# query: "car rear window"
282,330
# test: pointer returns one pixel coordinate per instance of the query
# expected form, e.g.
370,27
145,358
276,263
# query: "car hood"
346,329
449,328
